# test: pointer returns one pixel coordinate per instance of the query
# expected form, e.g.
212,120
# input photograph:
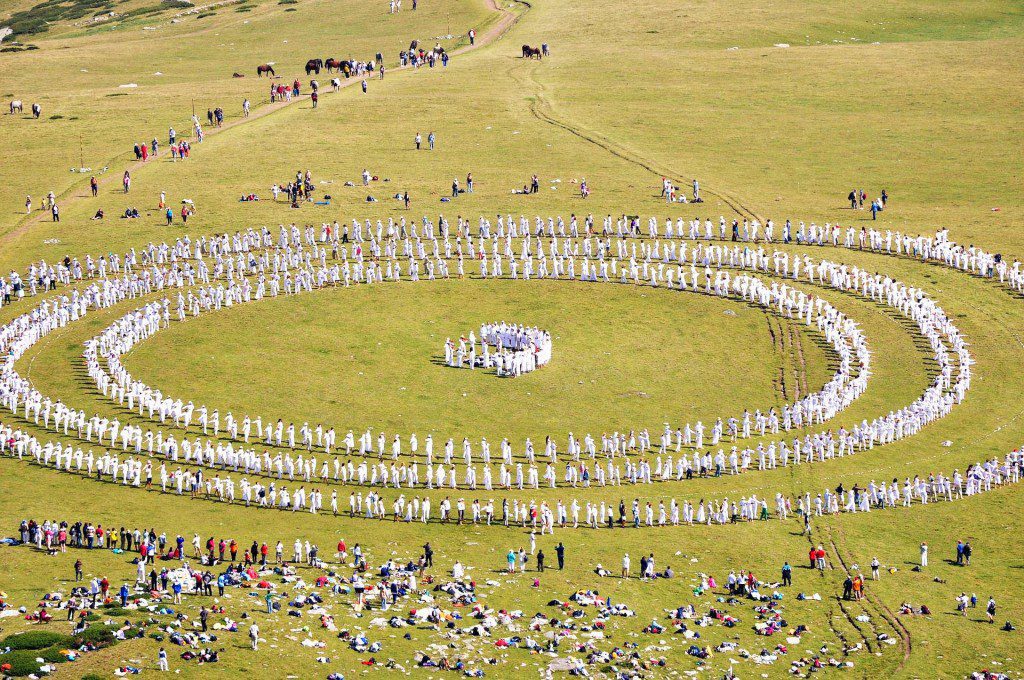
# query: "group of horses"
17,106
531,52
331,64
313,66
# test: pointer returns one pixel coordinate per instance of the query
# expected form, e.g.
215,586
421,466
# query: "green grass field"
778,110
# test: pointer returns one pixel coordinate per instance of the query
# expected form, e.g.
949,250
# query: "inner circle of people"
292,266
516,349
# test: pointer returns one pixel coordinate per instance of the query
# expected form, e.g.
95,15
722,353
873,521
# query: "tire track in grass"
541,108
880,609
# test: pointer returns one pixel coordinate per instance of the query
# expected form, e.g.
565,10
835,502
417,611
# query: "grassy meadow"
778,109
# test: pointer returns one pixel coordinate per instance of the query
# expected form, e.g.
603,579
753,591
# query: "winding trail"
79,190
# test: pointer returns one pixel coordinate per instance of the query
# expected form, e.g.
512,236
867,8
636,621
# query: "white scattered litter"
129,85
782,44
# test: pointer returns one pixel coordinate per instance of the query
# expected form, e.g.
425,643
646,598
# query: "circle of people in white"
165,266
516,349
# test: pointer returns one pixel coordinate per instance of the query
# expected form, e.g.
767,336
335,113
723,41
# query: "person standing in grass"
625,566
430,140
254,636
990,609
161,660
924,554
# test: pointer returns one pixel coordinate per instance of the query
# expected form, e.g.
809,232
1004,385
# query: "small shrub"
53,655
23,662
206,14
35,639
101,636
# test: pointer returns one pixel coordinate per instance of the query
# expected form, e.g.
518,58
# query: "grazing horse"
314,66
265,68
16,105
37,110
330,63
531,52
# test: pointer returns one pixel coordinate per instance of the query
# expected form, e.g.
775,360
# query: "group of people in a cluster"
510,349
300,188
856,197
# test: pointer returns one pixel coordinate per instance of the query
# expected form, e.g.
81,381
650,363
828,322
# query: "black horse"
314,66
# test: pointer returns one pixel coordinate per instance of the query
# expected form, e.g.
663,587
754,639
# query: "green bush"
35,639
54,655
100,636
23,662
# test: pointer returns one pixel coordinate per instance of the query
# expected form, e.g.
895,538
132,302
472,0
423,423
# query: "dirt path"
494,32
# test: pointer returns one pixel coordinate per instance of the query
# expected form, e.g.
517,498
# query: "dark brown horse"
314,66
265,68
331,64
531,52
